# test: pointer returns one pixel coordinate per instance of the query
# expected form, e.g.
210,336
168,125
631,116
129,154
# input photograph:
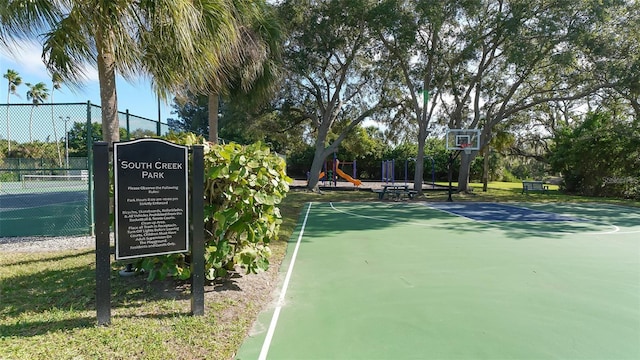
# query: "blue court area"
499,212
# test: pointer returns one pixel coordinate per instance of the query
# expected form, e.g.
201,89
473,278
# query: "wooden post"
197,232
103,262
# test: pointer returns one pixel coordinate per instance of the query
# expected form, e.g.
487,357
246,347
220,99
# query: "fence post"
91,202
158,129
127,121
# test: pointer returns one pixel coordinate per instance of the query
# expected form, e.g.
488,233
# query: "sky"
137,97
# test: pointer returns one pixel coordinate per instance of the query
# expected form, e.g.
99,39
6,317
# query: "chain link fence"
45,165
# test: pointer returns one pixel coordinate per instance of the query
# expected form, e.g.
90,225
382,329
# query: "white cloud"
25,56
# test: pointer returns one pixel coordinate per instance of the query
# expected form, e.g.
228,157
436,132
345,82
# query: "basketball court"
456,281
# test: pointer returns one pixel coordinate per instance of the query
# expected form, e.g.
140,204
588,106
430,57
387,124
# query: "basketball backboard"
463,139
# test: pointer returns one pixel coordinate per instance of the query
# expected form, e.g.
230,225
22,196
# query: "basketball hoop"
466,140
466,148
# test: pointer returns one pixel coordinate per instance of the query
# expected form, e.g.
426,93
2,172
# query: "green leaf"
260,197
242,185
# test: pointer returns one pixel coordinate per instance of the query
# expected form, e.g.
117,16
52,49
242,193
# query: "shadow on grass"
47,259
39,291
38,288
170,315
41,327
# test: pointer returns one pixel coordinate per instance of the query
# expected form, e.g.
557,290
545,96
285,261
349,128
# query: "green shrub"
507,176
600,156
243,187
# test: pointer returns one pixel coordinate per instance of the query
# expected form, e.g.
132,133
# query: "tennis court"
456,281
44,205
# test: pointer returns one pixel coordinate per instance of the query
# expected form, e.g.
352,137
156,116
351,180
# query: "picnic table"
396,192
528,186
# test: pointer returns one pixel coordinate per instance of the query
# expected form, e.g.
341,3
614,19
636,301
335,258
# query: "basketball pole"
452,158
449,199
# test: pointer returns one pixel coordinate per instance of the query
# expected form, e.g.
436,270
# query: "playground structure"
331,171
388,171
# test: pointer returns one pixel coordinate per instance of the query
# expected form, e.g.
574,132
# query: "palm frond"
68,48
27,18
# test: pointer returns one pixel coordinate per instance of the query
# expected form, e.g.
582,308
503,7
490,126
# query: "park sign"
150,210
151,198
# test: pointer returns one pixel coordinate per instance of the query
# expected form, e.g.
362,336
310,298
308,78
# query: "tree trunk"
212,105
319,157
316,168
419,176
108,94
55,132
465,170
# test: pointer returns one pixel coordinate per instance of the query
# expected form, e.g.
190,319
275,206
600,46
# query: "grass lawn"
47,300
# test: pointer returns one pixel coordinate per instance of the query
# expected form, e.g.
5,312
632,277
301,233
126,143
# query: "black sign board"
151,196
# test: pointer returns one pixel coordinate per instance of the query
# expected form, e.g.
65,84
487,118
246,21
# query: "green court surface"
65,219
429,281
54,212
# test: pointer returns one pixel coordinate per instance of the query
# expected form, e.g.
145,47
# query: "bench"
528,186
397,192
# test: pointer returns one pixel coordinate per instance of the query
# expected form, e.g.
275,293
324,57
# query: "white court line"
362,216
394,221
449,212
274,319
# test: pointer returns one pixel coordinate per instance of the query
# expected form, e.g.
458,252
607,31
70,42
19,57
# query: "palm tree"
37,93
128,37
250,68
56,84
14,80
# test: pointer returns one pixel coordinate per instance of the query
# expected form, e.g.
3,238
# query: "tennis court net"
67,181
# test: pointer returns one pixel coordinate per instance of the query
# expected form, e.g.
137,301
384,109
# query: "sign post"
151,210
197,233
101,200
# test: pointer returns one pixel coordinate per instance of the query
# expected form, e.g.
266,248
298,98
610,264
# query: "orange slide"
345,176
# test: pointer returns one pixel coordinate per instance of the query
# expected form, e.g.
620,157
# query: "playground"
332,171
456,281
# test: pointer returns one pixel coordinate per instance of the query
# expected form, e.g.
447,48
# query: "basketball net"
465,148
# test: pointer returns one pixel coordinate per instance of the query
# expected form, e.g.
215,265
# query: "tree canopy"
164,39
